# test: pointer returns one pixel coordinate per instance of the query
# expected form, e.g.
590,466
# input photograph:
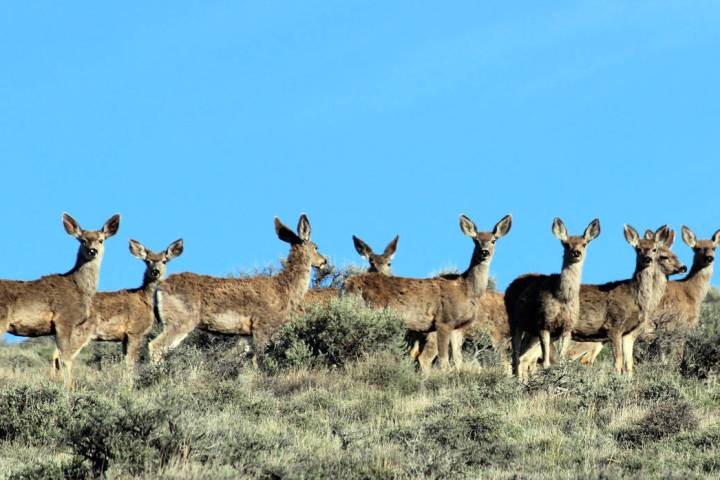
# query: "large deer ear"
649,234
303,228
716,238
137,249
559,230
175,249
662,236
389,251
631,235
285,234
671,238
688,236
592,231
111,226
72,227
503,226
467,226
362,248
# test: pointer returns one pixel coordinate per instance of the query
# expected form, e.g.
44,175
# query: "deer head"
574,246
155,263
484,241
301,240
378,263
703,250
91,241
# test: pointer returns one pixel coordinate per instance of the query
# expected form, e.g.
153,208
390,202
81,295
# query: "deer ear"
662,235
362,248
631,235
303,228
111,226
592,231
688,236
670,239
649,235
174,250
559,230
391,247
137,249
285,234
716,238
467,226
72,227
503,226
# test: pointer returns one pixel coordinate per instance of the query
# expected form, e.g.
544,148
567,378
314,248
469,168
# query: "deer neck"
86,273
697,282
295,276
476,277
570,279
649,286
149,286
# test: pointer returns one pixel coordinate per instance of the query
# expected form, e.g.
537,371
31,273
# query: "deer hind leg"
456,343
529,359
426,357
516,345
443,339
178,321
132,350
55,365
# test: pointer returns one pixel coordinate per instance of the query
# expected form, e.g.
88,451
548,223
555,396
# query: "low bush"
33,415
663,420
333,334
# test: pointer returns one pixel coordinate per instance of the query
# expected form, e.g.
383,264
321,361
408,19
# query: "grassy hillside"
308,412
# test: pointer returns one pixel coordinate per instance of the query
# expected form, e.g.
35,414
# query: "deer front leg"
529,358
515,345
456,342
628,343
617,346
565,339
443,339
426,357
132,351
545,345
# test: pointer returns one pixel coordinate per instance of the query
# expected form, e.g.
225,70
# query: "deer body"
239,306
440,304
545,305
59,304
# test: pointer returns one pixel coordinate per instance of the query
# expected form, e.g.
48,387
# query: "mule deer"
615,311
378,263
128,315
59,304
679,309
240,306
440,303
543,305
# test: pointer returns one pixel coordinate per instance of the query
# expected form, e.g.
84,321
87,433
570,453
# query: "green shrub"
387,372
333,334
664,420
72,470
33,415
701,358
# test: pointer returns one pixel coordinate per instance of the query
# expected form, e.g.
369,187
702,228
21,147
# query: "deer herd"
440,311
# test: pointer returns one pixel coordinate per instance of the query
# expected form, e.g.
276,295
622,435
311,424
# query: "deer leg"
428,353
132,350
628,342
616,340
529,358
55,365
443,339
545,345
515,345
564,343
456,342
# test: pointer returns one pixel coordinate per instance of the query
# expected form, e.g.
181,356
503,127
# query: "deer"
254,307
128,315
377,263
59,304
617,311
540,306
440,304
679,309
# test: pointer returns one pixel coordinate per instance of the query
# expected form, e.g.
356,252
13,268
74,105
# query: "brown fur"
440,304
615,311
240,306
539,306
59,304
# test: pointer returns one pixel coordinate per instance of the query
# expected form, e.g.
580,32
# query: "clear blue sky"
203,120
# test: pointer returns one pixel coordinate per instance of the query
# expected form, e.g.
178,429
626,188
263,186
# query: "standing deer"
240,306
128,315
679,309
59,304
440,304
378,263
615,311
543,305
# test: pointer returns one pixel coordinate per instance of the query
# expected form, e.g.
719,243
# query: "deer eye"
664,258
84,242
101,240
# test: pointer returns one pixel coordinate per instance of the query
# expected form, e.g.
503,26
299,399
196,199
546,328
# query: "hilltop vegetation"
335,397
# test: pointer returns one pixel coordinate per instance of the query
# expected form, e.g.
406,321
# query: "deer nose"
484,253
647,260
155,272
709,259
682,269
92,252
575,253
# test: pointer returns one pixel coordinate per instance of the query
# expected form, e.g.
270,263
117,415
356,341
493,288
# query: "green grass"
208,412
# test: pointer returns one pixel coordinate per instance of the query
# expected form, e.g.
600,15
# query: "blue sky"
203,120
